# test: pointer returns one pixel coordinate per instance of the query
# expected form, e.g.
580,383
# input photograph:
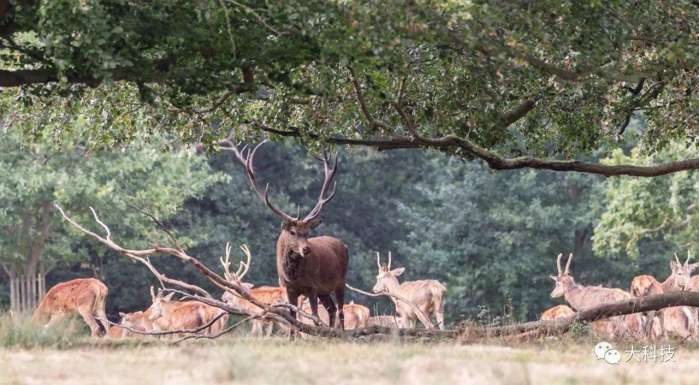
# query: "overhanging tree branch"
494,161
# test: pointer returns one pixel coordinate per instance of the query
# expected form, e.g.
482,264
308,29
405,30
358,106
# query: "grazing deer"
388,321
85,296
679,322
427,295
356,315
269,295
581,298
167,314
557,312
136,320
315,267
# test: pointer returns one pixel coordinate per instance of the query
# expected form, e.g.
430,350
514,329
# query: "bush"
19,331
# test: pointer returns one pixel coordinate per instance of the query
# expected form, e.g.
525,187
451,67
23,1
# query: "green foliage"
19,332
661,209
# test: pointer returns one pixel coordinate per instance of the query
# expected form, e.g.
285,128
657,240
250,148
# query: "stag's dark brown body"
319,273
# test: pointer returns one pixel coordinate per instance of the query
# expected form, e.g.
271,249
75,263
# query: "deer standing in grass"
269,295
315,267
427,295
581,298
679,321
85,296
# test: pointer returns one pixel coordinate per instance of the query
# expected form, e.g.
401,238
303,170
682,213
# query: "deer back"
67,297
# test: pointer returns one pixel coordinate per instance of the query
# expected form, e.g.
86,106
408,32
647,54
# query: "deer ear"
397,272
314,223
169,297
248,286
553,277
122,314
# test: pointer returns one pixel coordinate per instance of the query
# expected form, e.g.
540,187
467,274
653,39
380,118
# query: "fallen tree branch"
219,334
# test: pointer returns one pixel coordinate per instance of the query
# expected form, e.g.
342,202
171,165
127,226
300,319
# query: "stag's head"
132,320
243,267
682,272
386,279
564,280
159,301
295,230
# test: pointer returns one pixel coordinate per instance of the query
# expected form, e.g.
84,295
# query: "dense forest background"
491,236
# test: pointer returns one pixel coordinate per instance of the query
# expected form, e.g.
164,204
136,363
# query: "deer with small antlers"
678,320
315,267
427,295
269,295
581,298
166,314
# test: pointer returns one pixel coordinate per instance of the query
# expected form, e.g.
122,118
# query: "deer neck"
669,284
288,264
575,296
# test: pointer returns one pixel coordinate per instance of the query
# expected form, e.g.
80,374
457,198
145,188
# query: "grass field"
244,360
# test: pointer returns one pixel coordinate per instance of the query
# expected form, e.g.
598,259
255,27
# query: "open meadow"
242,360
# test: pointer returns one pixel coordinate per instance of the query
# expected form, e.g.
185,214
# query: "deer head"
236,277
682,272
295,230
387,279
564,281
159,300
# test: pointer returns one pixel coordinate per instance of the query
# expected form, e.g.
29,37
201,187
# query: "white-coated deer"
426,295
269,295
581,298
85,296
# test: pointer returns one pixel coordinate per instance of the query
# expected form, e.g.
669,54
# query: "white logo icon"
605,351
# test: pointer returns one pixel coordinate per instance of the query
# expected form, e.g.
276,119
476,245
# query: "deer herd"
309,269
314,269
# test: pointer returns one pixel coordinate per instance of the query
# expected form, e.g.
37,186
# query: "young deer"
557,312
581,298
85,296
427,295
167,314
315,267
269,295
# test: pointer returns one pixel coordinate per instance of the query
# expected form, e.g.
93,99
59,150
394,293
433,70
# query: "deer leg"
91,322
313,300
329,305
53,319
293,297
340,299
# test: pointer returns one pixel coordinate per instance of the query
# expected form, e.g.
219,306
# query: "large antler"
246,156
558,263
328,176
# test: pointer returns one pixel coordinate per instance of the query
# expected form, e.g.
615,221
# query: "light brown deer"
680,320
85,296
388,321
315,267
557,312
167,314
427,295
356,315
581,298
269,295
136,320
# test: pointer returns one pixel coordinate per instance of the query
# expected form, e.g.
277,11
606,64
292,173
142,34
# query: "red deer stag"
427,295
678,320
315,267
269,295
85,296
581,298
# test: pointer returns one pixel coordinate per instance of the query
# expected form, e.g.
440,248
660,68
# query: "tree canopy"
517,84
